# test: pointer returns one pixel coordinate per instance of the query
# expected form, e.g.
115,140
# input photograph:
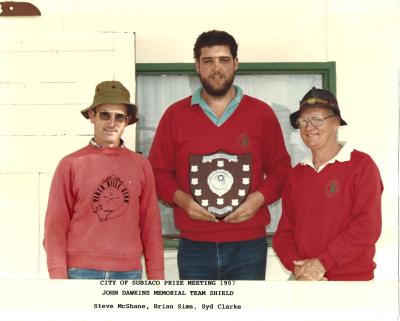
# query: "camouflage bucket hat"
112,92
321,98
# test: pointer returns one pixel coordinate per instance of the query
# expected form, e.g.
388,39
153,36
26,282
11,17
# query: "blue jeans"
75,273
243,260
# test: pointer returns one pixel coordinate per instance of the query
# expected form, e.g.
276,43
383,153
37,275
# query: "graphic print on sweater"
111,198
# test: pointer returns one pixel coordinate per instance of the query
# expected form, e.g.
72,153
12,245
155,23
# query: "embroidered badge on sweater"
111,199
331,188
243,141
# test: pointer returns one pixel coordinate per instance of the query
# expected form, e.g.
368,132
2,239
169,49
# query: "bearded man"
219,160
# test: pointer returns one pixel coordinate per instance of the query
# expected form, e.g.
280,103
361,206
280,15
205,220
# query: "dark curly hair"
215,38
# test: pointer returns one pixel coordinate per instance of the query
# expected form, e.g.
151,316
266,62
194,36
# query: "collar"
94,144
233,104
344,155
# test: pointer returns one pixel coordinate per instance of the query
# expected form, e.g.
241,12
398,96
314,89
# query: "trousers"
242,260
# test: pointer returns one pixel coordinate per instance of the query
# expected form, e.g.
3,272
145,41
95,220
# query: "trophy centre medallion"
220,181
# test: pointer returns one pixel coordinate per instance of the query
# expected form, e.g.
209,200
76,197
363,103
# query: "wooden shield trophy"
220,182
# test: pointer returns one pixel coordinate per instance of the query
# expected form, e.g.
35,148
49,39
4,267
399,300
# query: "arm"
58,217
276,160
285,247
247,209
150,228
162,159
192,208
283,242
276,165
365,227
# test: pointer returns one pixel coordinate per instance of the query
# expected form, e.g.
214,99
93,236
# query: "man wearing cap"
102,213
331,204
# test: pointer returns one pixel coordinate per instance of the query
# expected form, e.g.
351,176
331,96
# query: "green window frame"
326,69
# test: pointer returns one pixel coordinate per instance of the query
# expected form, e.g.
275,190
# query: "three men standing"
219,159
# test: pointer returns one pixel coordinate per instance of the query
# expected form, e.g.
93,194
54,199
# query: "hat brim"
293,117
131,107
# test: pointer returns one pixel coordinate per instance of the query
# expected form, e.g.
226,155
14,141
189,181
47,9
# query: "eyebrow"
216,57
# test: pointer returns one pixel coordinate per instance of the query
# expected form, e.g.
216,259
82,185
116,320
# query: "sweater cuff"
170,193
268,198
155,275
291,265
327,261
58,273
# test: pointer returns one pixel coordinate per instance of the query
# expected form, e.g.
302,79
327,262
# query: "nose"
308,127
310,124
216,65
112,122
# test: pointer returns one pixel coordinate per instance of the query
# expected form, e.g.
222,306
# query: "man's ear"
91,115
337,123
197,65
236,63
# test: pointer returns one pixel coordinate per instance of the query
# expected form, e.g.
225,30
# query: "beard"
216,91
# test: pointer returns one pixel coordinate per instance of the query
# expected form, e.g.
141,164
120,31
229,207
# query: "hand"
247,209
192,208
309,270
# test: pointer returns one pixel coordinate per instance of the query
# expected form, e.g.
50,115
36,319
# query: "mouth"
217,76
110,131
312,134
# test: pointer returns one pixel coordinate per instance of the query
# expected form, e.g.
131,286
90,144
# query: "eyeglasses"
302,122
120,118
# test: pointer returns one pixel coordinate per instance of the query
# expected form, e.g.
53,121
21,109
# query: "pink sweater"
253,128
333,215
103,214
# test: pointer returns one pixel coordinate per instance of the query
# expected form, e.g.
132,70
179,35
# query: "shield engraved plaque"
220,182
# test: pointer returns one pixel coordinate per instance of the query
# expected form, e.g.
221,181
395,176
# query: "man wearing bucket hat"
331,204
102,213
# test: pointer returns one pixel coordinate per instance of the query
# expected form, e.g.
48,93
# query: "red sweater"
333,215
252,128
103,214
